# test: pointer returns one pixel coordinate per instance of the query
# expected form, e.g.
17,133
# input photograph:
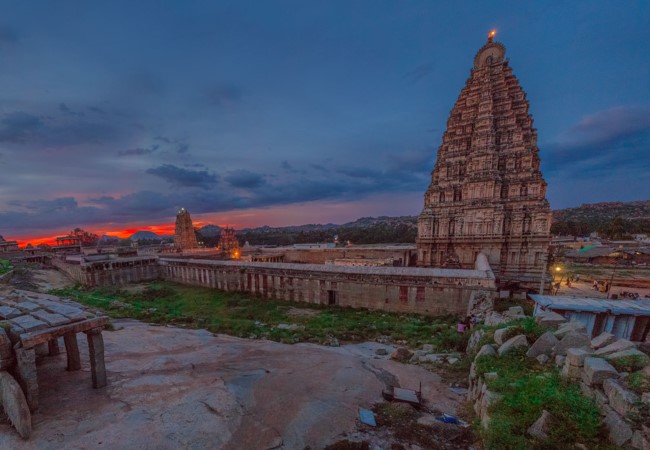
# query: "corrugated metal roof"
639,307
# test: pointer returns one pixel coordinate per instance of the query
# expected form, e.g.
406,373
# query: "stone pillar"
53,347
72,352
96,353
26,375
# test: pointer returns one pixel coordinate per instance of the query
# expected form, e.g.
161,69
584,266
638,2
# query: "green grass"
247,316
528,388
5,266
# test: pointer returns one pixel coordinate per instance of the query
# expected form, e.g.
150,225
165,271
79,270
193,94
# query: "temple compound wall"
110,272
398,289
403,256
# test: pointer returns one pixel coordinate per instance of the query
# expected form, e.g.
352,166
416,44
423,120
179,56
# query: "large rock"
620,399
543,345
597,370
619,431
602,340
550,319
539,429
571,372
518,341
568,327
618,346
500,335
573,339
640,441
402,354
494,318
15,405
486,350
474,340
6,350
576,356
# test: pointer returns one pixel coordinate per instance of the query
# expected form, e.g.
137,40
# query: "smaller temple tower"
184,238
228,243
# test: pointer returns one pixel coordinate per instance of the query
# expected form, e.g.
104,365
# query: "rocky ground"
171,388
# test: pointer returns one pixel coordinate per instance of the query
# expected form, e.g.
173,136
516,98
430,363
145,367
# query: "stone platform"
31,324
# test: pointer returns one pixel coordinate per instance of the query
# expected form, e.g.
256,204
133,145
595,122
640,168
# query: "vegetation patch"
5,266
528,388
629,363
243,315
639,382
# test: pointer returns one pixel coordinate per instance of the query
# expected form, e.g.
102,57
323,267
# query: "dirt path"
171,388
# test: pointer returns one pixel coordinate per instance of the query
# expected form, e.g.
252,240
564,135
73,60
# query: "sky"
114,115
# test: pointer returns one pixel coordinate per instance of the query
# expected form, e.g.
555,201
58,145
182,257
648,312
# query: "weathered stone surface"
50,318
486,350
620,399
597,370
500,334
72,313
568,327
518,341
15,405
639,441
618,346
27,306
586,390
402,354
28,323
601,398
542,359
474,340
539,429
571,372
96,354
619,431
543,345
602,340
428,348
576,356
7,312
550,319
26,375
515,311
572,339
559,360
494,318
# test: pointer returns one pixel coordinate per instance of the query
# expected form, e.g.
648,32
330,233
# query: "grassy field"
245,316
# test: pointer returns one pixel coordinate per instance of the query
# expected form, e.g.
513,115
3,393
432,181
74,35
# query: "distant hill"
108,240
143,234
210,230
610,219
605,211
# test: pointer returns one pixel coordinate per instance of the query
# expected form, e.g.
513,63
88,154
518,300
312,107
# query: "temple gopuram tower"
487,193
184,238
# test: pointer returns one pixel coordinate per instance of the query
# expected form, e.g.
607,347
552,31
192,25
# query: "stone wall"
419,290
110,273
404,255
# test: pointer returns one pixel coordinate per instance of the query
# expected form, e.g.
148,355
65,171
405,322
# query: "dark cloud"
64,109
164,139
223,95
95,109
618,137
182,148
180,177
139,151
244,179
419,72
25,128
19,126
285,165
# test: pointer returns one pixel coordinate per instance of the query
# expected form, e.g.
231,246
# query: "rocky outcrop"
518,341
543,345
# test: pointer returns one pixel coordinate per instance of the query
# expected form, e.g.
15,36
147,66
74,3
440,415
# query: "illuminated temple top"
184,237
487,194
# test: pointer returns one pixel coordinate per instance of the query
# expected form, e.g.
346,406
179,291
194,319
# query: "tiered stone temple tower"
185,238
487,193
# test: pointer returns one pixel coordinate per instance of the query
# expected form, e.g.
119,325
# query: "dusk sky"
113,115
